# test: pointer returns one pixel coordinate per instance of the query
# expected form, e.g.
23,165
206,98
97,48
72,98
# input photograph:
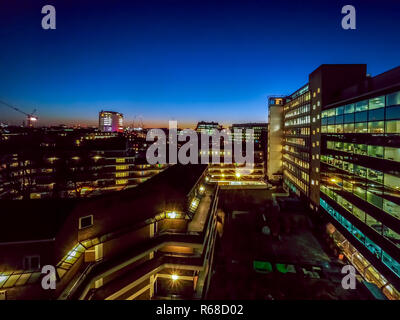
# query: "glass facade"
360,172
387,260
377,115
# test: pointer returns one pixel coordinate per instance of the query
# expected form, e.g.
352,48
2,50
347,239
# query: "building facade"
207,127
275,138
341,155
111,121
152,242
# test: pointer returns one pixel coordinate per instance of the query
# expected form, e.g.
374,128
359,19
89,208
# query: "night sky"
179,60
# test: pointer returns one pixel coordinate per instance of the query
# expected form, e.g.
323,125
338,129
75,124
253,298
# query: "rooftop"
24,220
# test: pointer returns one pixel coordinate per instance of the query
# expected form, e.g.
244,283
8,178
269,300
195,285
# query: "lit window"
121,174
121,181
172,215
85,222
120,160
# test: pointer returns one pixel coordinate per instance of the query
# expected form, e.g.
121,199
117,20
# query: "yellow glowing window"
120,160
121,167
121,181
121,174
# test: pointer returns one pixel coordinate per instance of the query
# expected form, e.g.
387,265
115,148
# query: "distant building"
259,135
207,127
110,121
69,163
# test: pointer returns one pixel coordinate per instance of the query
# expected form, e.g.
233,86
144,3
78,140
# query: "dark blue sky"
185,60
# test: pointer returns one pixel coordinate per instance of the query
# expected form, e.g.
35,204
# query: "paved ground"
293,243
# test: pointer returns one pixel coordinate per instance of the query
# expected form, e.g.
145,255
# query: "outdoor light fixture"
237,175
174,277
333,180
201,188
207,179
172,215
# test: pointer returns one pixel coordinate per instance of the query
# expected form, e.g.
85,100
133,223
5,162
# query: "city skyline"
175,61
186,151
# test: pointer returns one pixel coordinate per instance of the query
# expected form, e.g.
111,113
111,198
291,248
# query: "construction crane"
30,117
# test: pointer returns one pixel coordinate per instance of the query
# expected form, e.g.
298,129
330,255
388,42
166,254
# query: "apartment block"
152,242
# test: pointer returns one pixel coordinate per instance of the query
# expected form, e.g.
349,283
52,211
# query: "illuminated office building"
110,121
341,154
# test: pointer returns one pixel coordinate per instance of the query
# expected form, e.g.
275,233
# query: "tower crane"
30,117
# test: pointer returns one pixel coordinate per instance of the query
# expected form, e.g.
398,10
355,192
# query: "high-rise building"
341,154
275,135
110,121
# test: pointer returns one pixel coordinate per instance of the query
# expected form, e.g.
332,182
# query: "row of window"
300,184
298,98
392,264
375,127
305,131
378,226
392,99
298,121
299,141
299,162
300,154
300,110
391,113
375,176
388,153
299,173
370,193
